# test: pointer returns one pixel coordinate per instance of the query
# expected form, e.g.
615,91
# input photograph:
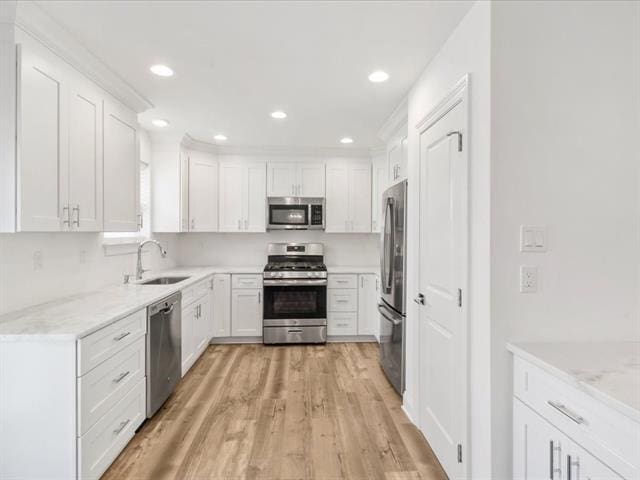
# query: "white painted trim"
8,96
234,340
35,21
456,95
351,339
397,120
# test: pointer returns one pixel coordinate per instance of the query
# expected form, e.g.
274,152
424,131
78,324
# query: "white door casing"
443,271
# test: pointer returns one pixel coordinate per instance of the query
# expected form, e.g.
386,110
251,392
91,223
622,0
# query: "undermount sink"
163,281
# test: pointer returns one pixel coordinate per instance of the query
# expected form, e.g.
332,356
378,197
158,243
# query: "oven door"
295,302
288,217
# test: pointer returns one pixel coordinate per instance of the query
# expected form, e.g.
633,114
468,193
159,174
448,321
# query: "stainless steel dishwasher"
164,351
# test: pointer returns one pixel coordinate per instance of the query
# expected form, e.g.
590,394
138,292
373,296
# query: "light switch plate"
533,238
528,279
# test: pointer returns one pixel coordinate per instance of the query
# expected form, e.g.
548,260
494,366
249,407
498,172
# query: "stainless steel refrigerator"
393,267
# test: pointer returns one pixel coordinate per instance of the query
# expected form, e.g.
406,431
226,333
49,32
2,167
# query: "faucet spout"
139,269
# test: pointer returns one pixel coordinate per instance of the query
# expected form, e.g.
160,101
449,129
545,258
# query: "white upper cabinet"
295,179
378,186
397,155
348,202
42,142
203,193
242,196
121,170
85,158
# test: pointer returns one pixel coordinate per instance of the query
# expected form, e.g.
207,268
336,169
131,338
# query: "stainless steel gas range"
295,294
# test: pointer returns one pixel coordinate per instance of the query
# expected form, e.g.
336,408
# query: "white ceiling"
235,62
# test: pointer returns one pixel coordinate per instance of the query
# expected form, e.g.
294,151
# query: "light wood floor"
250,411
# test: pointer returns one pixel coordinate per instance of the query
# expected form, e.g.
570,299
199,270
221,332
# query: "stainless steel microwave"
290,213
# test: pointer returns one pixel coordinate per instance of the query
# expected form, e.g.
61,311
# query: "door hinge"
459,134
460,297
459,453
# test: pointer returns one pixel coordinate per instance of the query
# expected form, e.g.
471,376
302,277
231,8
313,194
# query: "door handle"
77,220
68,220
419,299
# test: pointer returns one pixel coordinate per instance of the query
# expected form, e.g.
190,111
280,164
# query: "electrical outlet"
528,279
37,260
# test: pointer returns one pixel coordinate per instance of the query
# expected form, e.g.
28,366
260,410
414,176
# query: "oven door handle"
297,283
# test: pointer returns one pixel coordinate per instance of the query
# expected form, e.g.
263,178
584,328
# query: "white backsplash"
250,249
39,267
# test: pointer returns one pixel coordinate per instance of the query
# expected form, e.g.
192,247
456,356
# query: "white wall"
72,263
466,51
565,155
250,249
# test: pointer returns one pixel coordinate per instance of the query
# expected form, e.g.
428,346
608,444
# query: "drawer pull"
121,427
120,377
566,412
342,301
121,336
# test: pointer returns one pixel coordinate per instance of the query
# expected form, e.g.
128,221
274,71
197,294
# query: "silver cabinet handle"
121,427
570,464
121,377
342,301
193,223
239,224
121,336
259,297
141,221
77,220
566,412
552,468
68,220
245,223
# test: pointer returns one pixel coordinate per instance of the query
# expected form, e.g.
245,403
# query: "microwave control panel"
316,215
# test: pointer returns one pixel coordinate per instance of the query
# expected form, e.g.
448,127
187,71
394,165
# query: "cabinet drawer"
339,300
342,281
99,346
609,435
99,447
246,281
342,323
194,292
105,385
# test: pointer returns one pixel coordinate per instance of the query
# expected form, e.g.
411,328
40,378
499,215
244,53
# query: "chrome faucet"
139,269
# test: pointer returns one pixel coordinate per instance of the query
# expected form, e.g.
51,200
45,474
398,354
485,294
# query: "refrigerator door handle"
387,250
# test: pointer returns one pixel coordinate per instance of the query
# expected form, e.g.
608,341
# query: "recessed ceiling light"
346,140
161,70
378,76
158,122
279,114
220,137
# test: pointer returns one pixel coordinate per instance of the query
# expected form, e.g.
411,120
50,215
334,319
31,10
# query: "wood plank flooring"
294,412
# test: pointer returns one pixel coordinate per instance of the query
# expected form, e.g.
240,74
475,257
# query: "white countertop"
79,315
353,269
608,371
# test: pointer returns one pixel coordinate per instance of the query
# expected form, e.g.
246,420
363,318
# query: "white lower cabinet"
246,312
367,304
351,305
221,305
562,433
197,322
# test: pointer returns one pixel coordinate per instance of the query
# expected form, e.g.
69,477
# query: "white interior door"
311,179
281,179
85,158
203,194
231,196
442,280
255,213
42,145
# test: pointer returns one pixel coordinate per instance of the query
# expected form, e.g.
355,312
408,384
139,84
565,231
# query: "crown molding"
271,150
378,151
32,19
398,119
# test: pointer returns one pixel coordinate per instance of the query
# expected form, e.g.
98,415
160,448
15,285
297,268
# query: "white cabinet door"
585,466
246,312
311,180
42,144
367,305
539,449
85,157
281,179
121,170
203,194
337,201
188,337
360,197
222,305
255,211
231,196
378,186
201,325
